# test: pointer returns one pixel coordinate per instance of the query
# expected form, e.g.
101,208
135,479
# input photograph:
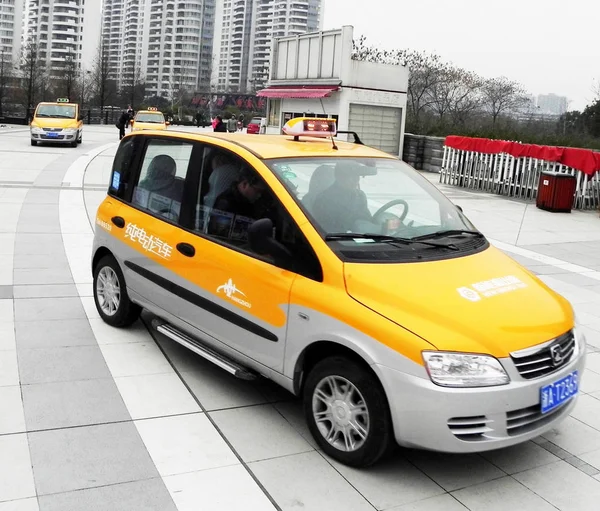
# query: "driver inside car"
343,204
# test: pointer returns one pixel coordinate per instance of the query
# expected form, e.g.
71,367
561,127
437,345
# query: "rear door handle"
186,249
119,221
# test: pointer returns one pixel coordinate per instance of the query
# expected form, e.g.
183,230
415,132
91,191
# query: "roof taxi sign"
62,100
152,109
310,127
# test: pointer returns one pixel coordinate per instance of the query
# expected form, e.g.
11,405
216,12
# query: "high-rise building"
166,44
552,104
247,28
11,12
58,29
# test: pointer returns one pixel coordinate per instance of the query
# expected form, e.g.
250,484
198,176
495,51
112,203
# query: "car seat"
322,178
219,181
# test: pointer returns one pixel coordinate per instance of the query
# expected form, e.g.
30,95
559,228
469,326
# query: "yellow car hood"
483,303
49,122
149,126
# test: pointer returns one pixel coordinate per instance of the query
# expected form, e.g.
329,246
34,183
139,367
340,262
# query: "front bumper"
428,416
57,137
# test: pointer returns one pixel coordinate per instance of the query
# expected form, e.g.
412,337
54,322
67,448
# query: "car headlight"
449,369
69,131
36,130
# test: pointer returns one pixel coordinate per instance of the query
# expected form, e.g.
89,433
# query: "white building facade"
11,13
315,75
244,36
62,30
167,44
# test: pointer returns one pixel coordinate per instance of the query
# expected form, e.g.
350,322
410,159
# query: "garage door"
377,126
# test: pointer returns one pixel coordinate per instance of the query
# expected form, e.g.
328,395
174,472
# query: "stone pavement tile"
89,305
545,269
7,336
30,504
574,436
44,291
54,334
587,410
91,456
259,433
73,403
442,502
16,477
40,309
293,413
591,458
40,261
6,291
501,494
106,334
37,244
306,481
593,362
37,276
12,419
42,196
6,310
453,472
9,369
213,488
590,381
392,482
520,457
47,365
156,395
576,490
146,495
7,243
135,359
184,443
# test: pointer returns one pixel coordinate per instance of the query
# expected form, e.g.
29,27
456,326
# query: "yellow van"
150,119
60,122
342,274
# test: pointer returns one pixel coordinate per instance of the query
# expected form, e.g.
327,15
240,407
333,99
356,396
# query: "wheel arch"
99,254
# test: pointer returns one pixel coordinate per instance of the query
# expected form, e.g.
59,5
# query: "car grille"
530,418
532,363
470,429
52,129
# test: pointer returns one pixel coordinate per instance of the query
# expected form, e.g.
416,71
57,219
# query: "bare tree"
101,77
70,74
30,72
6,73
136,86
502,96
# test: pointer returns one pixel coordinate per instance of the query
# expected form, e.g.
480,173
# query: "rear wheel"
110,294
347,411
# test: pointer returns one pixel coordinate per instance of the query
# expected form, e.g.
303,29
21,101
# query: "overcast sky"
546,45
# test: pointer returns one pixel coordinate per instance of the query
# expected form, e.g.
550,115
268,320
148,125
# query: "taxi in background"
342,274
150,119
59,122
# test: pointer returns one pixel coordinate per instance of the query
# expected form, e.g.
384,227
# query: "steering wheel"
394,202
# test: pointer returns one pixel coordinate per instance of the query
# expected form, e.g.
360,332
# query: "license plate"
52,135
555,394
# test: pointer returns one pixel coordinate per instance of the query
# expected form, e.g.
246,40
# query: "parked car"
342,274
253,126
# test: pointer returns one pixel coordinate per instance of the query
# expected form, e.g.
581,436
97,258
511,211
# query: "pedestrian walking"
122,123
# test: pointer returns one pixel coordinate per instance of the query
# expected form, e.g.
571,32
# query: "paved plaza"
95,418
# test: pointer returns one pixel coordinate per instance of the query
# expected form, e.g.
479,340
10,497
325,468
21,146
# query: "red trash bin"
556,192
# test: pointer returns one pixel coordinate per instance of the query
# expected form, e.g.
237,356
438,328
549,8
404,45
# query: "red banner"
585,160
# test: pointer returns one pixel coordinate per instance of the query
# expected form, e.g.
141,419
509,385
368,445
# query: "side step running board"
197,347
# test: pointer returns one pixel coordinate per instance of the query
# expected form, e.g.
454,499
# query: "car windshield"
373,200
148,117
57,111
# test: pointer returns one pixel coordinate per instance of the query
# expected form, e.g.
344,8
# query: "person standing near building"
122,123
220,125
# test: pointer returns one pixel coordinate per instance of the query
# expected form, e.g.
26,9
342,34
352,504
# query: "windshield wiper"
450,232
382,238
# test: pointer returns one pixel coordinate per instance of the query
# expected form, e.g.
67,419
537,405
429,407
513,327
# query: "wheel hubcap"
341,413
108,291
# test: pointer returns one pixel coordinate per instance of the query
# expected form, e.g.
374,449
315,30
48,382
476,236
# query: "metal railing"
507,175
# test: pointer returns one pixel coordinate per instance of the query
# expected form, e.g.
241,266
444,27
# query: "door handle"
186,249
119,221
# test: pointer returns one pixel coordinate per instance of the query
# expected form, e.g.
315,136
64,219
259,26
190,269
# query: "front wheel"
347,412
110,294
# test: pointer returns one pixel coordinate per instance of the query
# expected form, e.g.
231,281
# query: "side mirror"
260,237
459,208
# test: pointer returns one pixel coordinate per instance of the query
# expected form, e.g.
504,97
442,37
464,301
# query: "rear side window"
159,189
122,169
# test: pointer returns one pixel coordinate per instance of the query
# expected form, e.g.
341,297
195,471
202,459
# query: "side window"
123,169
232,197
160,185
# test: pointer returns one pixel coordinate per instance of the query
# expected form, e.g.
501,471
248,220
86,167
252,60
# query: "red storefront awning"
316,91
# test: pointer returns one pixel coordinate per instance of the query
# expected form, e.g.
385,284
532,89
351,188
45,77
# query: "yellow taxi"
59,122
340,273
150,119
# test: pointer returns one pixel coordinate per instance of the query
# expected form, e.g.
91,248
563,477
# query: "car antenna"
325,113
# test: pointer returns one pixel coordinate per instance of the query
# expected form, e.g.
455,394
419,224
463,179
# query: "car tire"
80,139
364,410
74,143
109,287
34,142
